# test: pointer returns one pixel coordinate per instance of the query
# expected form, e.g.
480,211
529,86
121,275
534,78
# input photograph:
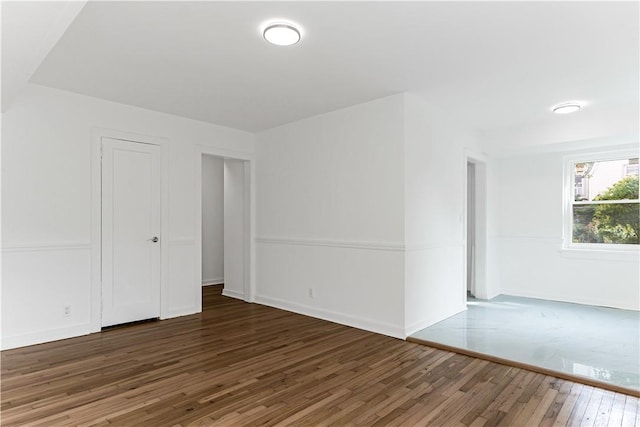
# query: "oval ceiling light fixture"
566,107
281,34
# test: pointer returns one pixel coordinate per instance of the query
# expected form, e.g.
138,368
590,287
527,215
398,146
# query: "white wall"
483,288
529,259
212,220
46,202
434,159
330,216
582,130
493,193
360,215
235,210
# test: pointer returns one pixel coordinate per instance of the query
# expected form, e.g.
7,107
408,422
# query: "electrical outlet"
67,310
311,293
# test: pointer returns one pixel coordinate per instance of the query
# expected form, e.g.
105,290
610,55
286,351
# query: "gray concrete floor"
594,342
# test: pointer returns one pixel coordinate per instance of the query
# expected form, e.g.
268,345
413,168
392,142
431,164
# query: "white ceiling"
491,64
29,31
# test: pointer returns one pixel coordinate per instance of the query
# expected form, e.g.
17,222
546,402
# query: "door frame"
96,215
470,220
248,220
480,197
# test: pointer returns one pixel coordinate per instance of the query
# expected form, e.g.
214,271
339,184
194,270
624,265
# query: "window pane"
606,223
606,180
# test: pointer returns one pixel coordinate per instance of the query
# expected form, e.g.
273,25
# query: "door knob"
154,240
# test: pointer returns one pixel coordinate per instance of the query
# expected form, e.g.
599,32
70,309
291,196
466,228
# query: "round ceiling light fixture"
566,108
281,34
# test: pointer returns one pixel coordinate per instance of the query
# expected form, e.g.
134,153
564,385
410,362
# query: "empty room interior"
320,213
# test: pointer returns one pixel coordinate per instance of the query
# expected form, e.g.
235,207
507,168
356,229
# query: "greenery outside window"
603,210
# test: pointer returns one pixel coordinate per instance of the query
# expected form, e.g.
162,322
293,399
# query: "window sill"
626,255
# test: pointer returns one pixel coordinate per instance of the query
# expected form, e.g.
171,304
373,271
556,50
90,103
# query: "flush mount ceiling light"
281,34
566,108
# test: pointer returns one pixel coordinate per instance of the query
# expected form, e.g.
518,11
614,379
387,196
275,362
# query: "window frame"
568,201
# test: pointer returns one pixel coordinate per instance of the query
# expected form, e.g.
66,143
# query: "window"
603,210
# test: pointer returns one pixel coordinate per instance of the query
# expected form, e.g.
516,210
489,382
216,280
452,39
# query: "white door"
130,231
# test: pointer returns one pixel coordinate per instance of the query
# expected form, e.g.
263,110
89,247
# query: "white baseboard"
332,316
573,299
40,337
232,294
207,282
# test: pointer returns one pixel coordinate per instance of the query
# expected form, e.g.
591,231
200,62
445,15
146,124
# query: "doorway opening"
475,229
471,229
212,220
223,224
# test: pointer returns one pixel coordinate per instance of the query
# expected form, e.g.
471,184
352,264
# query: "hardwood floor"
246,364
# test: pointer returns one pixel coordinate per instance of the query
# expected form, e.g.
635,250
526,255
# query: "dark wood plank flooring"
246,364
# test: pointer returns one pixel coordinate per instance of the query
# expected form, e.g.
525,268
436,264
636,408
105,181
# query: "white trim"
128,136
603,155
419,247
601,255
351,244
333,316
233,294
216,281
607,202
355,244
475,156
198,224
97,133
601,301
248,211
225,153
550,240
48,246
45,336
